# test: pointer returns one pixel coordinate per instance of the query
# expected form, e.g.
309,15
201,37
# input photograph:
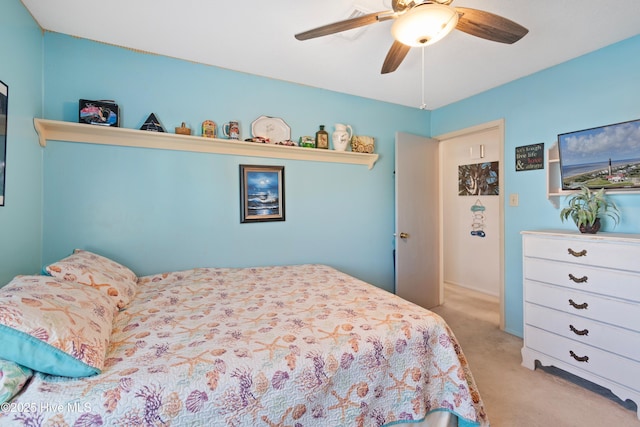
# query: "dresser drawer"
604,364
616,283
589,332
584,250
591,306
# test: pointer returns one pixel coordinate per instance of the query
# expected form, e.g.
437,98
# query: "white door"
417,220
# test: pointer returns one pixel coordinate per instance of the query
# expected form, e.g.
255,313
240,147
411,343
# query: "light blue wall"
596,89
21,71
159,210
165,210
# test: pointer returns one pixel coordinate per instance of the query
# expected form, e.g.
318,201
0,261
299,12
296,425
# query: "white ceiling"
257,37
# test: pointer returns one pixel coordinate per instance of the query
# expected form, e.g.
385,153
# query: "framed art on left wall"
4,102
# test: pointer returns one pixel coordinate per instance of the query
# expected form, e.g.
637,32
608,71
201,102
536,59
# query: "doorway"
472,219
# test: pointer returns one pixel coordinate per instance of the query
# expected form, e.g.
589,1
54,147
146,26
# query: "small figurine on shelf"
183,130
322,138
231,129
209,129
341,137
152,124
307,142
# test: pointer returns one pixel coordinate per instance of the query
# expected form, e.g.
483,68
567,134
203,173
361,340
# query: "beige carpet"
515,396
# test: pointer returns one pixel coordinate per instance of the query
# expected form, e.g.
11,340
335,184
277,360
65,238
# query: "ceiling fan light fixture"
425,24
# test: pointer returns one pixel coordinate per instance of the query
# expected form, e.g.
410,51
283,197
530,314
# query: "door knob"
404,235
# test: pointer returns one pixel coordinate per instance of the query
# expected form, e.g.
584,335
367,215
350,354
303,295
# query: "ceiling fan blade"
395,56
347,24
489,26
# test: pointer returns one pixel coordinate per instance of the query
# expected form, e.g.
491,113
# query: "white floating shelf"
53,130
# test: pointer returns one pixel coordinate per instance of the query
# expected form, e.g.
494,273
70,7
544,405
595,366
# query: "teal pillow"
55,326
41,356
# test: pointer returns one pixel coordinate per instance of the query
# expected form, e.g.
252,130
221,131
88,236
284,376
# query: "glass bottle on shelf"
322,138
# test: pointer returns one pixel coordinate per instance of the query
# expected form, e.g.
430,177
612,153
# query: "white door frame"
499,125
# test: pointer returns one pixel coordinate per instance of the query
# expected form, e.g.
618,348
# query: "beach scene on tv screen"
603,157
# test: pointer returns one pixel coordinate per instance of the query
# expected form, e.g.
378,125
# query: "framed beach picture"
4,101
261,193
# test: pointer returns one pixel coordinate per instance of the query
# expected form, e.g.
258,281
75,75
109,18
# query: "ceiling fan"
421,23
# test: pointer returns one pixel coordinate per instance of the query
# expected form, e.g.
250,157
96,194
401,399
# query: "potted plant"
586,207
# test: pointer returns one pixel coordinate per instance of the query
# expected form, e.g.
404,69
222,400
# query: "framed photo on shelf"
261,193
4,102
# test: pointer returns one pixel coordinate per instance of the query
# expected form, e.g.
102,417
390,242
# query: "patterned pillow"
55,326
12,378
98,272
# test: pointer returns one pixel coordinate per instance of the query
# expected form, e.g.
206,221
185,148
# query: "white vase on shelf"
341,136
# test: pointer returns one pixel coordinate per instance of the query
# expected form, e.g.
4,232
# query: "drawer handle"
577,254
579,358
577,332
582,306
582,279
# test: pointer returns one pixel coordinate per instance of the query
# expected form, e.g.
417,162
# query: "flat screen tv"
602,157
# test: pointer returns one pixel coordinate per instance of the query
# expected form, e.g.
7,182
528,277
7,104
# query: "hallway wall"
470,261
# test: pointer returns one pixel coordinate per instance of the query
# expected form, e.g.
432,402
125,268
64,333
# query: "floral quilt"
283,346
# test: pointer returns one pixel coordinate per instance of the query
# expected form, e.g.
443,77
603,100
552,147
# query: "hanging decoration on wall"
480,179
477,222
530,157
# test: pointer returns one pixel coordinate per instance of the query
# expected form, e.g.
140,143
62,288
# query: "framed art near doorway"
480,179
4,101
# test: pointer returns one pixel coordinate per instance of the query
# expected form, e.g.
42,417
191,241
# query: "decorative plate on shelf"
273,128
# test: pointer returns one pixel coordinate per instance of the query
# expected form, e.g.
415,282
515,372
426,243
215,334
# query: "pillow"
12,378
99,272
55,326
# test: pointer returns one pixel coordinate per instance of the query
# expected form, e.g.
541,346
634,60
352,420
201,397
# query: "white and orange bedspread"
271,346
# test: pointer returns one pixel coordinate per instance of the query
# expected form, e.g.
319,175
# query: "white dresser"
582,306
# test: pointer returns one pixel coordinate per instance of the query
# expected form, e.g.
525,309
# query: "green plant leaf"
585,206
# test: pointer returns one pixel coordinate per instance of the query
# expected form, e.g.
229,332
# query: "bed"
299,345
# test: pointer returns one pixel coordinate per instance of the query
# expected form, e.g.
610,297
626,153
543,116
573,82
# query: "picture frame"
4,103
262,196
479,179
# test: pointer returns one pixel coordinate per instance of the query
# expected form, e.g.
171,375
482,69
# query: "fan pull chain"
423,106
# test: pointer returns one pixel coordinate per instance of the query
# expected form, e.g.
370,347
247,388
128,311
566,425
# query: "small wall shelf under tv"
554,181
